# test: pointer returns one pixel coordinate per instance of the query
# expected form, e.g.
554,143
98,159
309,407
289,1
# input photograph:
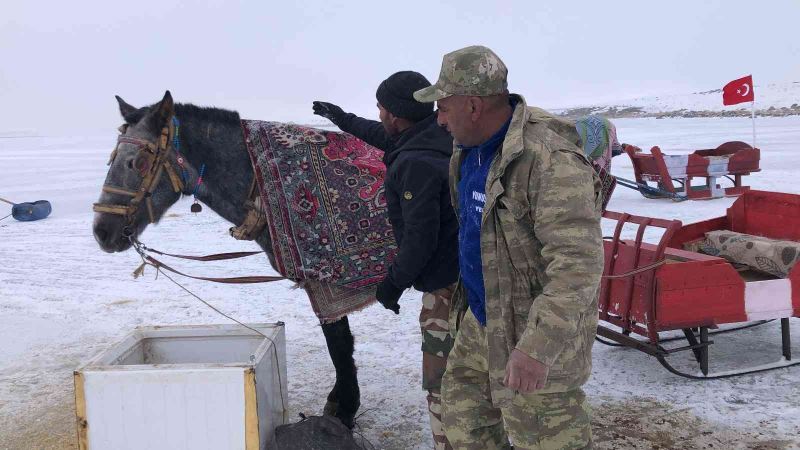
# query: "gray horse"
133,197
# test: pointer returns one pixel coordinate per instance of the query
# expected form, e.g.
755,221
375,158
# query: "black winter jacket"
418,198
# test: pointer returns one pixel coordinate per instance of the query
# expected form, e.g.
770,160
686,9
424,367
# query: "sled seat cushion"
771,256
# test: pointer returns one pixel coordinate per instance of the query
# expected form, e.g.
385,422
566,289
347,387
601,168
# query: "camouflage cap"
474,71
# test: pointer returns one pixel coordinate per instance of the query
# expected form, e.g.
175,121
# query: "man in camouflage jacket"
525,310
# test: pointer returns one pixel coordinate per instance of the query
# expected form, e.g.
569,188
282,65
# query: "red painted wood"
697,230
726,148
702,293
743,160
663,172
770,214
736,191
697,166
691,289
619,289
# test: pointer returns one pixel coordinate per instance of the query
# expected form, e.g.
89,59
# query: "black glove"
388,294
328,111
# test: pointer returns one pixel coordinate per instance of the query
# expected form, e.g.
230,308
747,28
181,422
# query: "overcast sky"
62,62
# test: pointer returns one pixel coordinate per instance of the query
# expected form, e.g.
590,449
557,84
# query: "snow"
62,301
776,95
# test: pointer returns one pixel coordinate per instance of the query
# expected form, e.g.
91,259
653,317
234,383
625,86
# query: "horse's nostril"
100,234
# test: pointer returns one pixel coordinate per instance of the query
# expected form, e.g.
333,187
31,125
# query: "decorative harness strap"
155,157
255,220
155,161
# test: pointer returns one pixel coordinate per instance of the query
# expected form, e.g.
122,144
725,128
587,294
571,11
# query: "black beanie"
396,95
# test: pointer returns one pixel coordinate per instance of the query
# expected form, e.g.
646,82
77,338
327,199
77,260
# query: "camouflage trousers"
532,421
436,345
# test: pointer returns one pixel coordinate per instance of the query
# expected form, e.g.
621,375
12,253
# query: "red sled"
649,289
674,173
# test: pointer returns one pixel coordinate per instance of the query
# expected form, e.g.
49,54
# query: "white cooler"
185,387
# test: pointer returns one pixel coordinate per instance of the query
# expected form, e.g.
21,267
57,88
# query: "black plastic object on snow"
650,191
29,211
318,433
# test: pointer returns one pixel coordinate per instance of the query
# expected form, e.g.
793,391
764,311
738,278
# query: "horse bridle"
155,160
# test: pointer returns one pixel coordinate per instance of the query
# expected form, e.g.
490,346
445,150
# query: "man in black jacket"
417,156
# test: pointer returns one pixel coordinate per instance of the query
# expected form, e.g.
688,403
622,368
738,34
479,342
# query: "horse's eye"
142,163
130,164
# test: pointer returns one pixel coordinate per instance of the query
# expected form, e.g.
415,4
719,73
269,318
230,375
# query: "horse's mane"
188,111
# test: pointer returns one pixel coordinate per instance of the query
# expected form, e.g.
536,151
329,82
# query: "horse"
136,193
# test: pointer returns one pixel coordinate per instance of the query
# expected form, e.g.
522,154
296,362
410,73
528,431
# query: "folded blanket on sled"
771,256
323,194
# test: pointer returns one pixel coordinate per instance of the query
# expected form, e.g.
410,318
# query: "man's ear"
475,106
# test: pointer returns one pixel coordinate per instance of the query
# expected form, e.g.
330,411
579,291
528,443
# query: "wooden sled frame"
651,289
675,174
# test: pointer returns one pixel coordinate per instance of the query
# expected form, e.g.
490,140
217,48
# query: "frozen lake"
62,301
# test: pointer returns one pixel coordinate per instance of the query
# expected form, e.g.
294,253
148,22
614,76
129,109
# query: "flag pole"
753,106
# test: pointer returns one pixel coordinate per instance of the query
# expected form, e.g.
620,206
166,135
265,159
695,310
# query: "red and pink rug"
323,193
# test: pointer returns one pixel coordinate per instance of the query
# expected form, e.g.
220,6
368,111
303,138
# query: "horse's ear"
165,107
131,114
159,114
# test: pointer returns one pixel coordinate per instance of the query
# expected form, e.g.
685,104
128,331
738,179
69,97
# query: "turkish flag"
738,91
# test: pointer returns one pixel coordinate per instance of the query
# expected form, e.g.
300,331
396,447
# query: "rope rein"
143,251
636,271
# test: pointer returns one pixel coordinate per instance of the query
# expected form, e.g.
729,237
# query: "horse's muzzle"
110,234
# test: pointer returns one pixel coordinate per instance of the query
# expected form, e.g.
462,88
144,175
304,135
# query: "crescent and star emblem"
747,90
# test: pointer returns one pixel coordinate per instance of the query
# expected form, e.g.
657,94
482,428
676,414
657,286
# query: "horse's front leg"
345,397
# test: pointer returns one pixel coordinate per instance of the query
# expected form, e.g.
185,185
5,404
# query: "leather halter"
156,155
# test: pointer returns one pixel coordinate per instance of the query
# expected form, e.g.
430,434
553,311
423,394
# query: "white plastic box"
185,387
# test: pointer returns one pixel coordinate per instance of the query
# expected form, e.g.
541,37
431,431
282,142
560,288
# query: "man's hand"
388,294
328,111
525,374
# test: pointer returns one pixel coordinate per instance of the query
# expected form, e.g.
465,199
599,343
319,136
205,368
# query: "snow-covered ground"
62,301
776,95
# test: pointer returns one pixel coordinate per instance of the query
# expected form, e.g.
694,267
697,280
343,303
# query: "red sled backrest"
773,215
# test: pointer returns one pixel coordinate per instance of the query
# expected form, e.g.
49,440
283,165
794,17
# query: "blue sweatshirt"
471,199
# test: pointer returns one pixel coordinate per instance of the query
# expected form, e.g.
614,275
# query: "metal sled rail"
701,350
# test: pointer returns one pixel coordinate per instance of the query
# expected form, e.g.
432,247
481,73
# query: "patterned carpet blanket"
323,193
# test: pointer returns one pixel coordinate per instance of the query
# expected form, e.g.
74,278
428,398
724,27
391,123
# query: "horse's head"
143,177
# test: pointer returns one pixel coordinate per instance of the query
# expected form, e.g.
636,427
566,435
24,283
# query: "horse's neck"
219,146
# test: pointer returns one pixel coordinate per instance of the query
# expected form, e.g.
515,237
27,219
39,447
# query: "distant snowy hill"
781,99
18,133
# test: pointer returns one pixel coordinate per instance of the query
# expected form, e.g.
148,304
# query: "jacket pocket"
512,206
572,362
515,233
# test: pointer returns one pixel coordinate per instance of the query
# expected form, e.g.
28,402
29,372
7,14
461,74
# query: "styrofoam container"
185,387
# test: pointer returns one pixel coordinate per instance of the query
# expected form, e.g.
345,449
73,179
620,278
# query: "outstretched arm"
369,131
